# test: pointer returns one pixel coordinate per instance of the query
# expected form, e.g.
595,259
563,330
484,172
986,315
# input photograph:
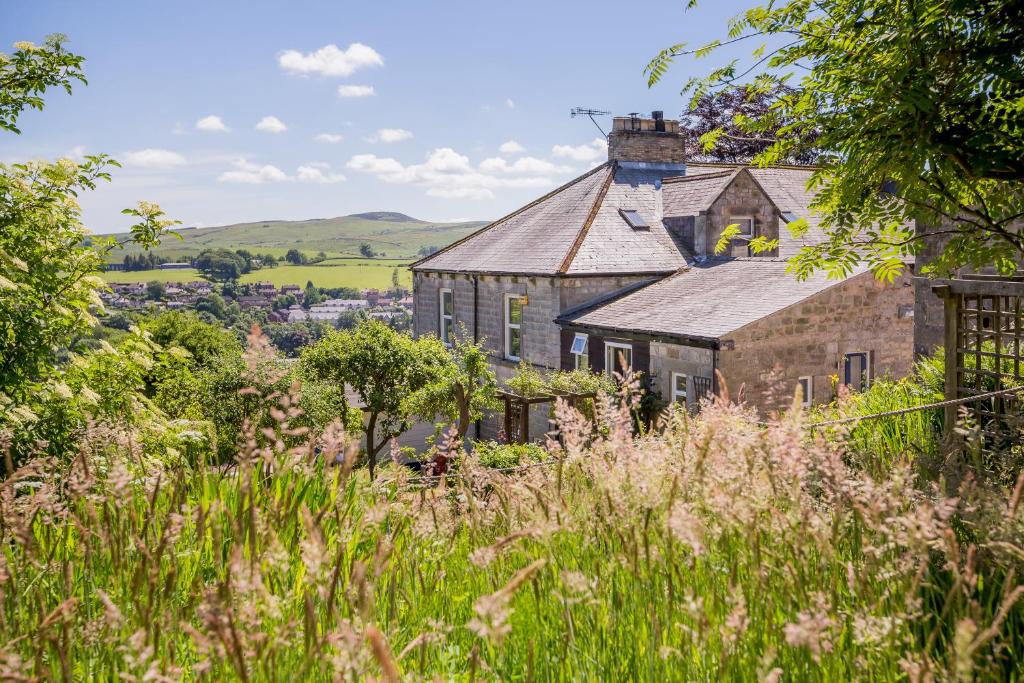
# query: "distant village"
287,304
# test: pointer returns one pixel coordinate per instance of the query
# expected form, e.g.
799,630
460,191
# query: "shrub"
499,456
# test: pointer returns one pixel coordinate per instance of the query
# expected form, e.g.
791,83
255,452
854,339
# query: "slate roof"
690,194
704,301
577,229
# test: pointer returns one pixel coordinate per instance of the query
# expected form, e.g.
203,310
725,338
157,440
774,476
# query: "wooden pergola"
517,410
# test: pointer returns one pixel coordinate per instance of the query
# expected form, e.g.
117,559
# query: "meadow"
710,549
334,272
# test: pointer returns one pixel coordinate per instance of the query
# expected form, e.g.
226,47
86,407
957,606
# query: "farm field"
359,273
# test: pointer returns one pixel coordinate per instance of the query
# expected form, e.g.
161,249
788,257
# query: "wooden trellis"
984,331
517,411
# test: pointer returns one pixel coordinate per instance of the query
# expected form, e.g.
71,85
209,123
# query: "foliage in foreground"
714,550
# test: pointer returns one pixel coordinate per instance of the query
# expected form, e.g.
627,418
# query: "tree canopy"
220,265
917,110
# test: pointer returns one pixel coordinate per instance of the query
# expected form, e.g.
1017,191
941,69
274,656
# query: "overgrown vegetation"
714,550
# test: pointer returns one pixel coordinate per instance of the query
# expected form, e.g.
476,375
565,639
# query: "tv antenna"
590,113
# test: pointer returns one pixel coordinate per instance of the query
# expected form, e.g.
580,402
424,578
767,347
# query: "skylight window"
635,220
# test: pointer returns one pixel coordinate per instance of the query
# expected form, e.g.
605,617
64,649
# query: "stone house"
619,263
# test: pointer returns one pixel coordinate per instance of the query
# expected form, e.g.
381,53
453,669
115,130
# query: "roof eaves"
417,264
585,228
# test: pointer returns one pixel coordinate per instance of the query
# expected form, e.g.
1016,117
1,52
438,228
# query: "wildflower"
810,630
687,527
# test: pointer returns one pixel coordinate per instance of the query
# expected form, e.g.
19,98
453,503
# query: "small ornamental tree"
387,370
718,118
461,390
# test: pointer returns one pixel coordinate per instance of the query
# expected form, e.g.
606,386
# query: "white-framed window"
746,225
446,312
857,370
618,358
579,351
679,387
806,389
513,326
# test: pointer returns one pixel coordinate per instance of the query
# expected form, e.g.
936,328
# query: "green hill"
395,235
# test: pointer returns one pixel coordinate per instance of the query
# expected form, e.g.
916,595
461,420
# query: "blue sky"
444,110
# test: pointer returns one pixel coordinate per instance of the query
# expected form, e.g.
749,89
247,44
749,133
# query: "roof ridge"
697,176
589,220
515,213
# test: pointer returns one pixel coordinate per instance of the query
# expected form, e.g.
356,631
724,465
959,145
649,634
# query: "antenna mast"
590,113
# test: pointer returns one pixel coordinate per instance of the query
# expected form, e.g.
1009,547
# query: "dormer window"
635,220
746,226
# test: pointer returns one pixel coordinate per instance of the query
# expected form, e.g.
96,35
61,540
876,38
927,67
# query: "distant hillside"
394,234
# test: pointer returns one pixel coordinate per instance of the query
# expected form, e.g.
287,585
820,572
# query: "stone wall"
743,197
860,314
667,359
541,338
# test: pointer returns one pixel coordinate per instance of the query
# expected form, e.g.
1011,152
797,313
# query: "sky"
226,112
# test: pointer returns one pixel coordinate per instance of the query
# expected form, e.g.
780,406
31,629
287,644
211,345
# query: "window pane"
579,344
582,361
618,359
515,341
680,387
446,302
515,311
448,329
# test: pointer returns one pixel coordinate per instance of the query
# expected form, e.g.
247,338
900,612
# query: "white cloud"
211,124
523,165
314,173
252,174
445,173
511,147
355,91
329,138
154,158
595,150
510,104
249,173
390,135
330,60
271,124
76,153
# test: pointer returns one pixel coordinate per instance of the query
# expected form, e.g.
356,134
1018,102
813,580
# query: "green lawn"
358,273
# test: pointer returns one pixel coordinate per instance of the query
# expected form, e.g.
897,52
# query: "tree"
917,108
214,305
48,287
366,250
203,341
387,370
712,133
311,296
26,74
295,257
220,265
461,390
156,290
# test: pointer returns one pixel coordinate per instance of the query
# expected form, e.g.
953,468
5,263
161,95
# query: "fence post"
950,344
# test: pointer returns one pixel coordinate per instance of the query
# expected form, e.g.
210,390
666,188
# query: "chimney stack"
655,140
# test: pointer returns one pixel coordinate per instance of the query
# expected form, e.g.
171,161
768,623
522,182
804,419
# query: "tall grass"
714,550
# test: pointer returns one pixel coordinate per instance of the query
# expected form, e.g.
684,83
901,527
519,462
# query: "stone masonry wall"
541,337
646,146
743,197
860,314
667,359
